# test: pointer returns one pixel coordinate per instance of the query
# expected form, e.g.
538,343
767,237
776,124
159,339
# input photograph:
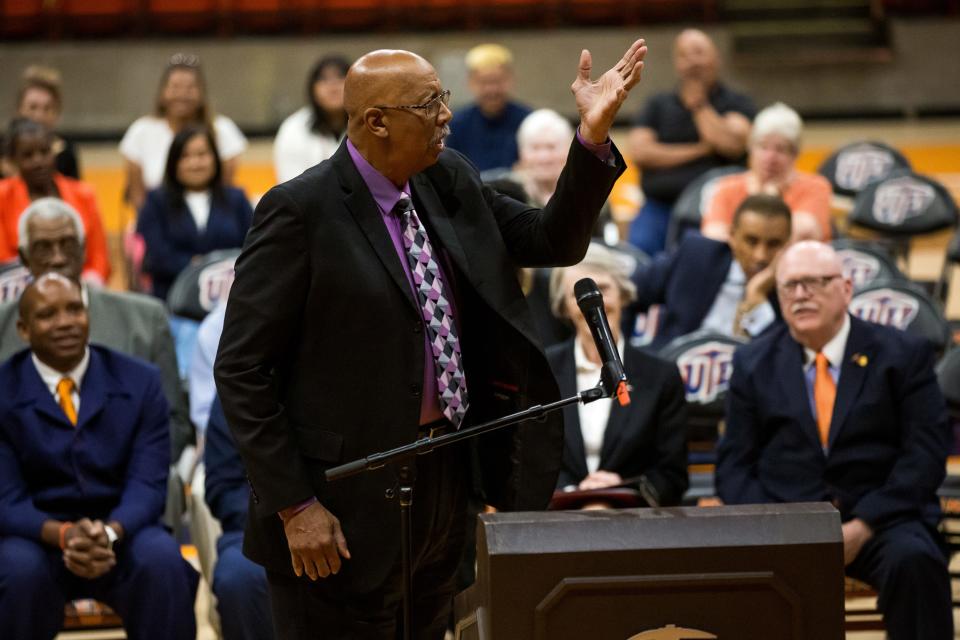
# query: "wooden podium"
756,572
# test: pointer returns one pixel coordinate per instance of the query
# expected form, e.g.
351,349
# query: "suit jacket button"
416,327
415,390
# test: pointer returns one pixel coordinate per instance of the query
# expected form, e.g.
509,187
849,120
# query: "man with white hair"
681,134
774,147
485,131
51,239
828,407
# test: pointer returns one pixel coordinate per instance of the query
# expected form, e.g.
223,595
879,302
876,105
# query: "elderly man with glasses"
375,303
830,408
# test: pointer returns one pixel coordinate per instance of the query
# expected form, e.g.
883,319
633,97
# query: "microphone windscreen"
587,293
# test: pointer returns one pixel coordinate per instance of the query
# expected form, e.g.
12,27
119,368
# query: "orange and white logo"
886,307
900,199
861,268
860,165
706,370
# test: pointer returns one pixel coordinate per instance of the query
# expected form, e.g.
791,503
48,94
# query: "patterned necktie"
437,315
65,395
824,396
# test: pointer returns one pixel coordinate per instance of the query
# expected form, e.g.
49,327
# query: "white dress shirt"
593,416
724,310
51,377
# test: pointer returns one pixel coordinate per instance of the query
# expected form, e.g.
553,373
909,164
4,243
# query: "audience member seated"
605,445
830,408
774,147
486,131
84,452
681,134
200,374
52,240
30,148
311,135
193,213
726,287
40,100
181,101
239,584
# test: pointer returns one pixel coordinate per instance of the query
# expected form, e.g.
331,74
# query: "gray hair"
46,209
543,121
598,258
780,119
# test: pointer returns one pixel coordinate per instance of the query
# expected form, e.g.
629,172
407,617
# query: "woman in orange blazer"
30,147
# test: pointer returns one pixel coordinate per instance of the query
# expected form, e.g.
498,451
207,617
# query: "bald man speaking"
376,303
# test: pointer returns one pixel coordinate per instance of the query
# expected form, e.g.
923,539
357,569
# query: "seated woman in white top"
181,100
311,134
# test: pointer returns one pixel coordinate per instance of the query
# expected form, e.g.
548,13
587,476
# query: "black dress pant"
301,610
907,565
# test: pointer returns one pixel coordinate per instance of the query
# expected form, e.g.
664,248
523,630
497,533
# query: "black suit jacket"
686,282
889,434
648,436
321,357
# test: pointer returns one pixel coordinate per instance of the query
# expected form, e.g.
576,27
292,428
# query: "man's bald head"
380,78
53,321
695,56
814,293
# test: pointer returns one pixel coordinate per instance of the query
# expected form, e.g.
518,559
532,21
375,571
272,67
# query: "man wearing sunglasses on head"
376,303
827,407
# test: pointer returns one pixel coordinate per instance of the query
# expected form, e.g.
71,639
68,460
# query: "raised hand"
599,100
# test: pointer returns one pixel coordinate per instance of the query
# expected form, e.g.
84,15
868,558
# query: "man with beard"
375,303
829,408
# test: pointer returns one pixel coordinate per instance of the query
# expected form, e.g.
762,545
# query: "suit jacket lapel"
363,208
789,368
428,202
619,421
94,389
852,375
572,436
34,391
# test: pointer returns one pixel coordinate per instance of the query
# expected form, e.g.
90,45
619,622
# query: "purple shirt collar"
384,192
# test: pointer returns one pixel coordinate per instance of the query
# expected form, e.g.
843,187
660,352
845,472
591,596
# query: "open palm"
599,100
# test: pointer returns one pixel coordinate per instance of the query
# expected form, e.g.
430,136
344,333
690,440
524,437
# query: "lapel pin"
860,360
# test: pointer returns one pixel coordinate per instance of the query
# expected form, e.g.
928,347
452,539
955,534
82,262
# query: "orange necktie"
824,395
65,393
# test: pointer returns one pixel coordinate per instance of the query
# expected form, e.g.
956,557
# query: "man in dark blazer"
642,444
84,451
726,287
831,408
51,240
324,356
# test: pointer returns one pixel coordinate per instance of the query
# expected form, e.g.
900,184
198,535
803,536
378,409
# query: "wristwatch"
111,536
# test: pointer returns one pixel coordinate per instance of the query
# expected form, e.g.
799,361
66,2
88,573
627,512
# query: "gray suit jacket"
133,324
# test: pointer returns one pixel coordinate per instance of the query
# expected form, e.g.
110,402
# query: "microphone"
612,378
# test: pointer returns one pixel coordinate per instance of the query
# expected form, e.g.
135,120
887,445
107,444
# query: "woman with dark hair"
311,134
30,147
181,101
193,213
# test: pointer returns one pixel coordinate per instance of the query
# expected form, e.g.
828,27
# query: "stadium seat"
854,166
203,284
21,18
866,262
183,16
14,278
692,202
950,262
96,17
903,305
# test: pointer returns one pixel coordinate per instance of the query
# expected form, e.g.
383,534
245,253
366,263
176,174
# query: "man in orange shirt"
31,151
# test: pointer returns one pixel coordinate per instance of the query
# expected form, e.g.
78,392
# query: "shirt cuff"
289,512
603,151
757,319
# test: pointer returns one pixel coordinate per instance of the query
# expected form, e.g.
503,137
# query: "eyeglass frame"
812,284
442,97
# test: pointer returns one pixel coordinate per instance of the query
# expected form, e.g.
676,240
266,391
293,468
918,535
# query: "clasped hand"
86,549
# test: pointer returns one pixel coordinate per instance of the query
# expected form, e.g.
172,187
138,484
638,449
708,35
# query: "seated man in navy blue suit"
84,452
239,584
830,408
726,287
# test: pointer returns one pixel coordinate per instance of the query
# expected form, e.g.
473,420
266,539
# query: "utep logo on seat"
886,307
13,282
860,165
900,199
860,267
215,282
706,370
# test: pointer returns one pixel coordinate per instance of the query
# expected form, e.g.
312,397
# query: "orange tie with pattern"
824,395
65,394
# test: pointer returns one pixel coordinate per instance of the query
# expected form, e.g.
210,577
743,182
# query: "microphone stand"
404,457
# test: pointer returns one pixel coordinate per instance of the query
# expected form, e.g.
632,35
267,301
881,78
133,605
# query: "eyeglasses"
811,284
184,60
430,107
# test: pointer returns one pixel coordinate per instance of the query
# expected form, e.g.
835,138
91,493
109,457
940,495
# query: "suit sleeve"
226,491
669,474
651,280
145,485
560,232
739,449
163,355
925,440
18,515
264,309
